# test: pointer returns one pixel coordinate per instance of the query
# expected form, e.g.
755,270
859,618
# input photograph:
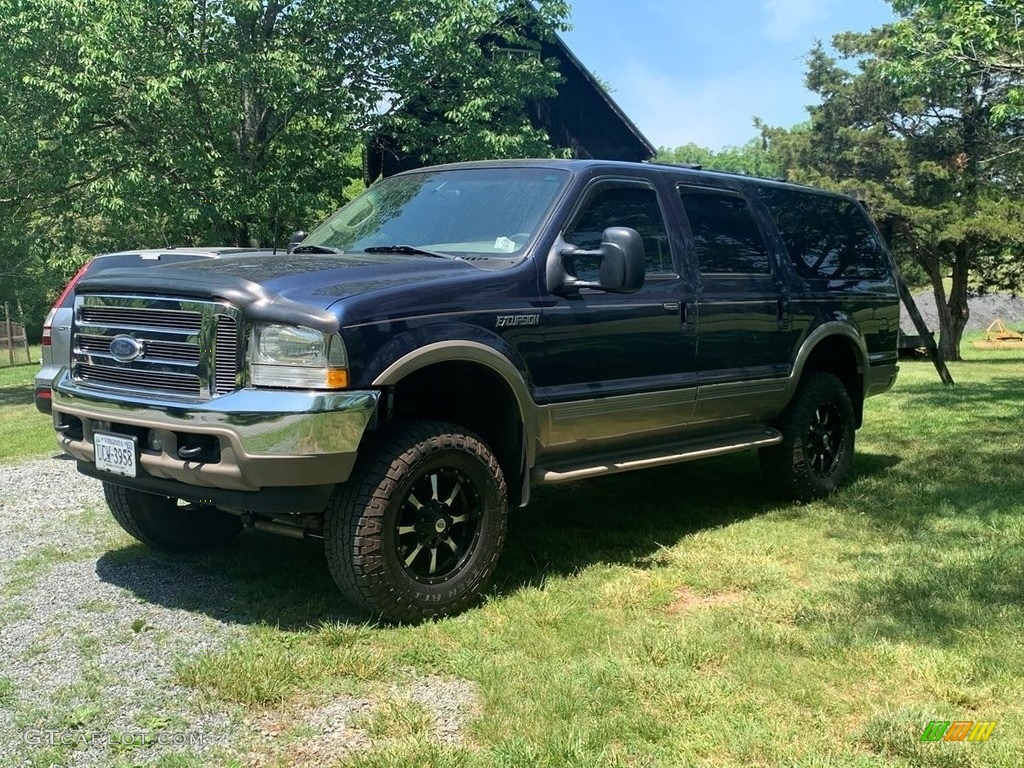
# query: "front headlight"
298,357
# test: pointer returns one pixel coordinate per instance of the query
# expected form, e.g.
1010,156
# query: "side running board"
595,466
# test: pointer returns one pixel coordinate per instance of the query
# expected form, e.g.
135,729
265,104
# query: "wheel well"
471,396
838,356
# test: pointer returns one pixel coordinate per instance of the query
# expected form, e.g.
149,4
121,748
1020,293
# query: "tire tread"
354,520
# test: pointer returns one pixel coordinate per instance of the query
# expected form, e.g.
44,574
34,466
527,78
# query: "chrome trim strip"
542,475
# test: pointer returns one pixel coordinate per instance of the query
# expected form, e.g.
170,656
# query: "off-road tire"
395,498
816,451
158,521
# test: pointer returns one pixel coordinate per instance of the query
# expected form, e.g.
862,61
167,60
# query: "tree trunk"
954,313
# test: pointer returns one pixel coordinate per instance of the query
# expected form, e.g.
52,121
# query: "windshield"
471,211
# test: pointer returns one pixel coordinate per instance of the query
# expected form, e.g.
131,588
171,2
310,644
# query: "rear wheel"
160,523
816,451
417,531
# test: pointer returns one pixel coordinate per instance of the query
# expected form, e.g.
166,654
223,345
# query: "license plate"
115,453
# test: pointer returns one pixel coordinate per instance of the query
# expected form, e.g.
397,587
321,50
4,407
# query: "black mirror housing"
622,260
297,237
622,264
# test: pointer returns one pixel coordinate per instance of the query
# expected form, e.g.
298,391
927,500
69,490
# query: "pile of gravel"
984,309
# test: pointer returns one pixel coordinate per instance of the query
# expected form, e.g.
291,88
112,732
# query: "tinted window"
634,207
470,211
827,237
725,234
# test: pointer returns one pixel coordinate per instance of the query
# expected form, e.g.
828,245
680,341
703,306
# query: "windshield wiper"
316,249
411,250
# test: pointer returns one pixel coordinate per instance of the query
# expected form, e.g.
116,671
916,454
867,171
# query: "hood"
282,288
321,279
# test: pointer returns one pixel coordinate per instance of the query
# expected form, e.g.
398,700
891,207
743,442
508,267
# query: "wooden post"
889,233
10,332
922,329
24,326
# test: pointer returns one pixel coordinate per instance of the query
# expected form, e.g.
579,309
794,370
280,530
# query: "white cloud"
787,19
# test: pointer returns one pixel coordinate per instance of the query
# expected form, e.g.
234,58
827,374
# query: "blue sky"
700,70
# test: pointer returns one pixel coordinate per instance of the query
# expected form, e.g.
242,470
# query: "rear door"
743,320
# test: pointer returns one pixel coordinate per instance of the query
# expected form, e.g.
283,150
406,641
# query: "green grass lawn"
24,431
684,616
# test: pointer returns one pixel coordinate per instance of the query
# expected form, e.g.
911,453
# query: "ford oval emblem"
125,348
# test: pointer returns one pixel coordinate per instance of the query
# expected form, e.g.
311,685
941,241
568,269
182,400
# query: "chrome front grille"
141,317
106,375
180,348
226,358
170,351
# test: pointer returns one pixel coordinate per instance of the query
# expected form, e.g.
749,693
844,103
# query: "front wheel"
816,451
417,531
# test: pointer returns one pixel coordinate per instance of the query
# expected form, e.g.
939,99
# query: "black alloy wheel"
816,452
416,532
438,524
824,439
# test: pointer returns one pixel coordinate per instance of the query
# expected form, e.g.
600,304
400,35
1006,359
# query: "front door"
619,366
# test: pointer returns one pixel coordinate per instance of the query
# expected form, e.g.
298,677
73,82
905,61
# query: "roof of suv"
580,166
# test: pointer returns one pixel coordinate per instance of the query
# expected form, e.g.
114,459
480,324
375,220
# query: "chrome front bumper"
267,438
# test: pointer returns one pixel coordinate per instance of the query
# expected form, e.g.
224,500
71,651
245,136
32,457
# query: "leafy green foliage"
970,36
751,159
128,123
912,129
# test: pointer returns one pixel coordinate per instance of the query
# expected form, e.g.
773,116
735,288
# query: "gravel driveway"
92,625
87,662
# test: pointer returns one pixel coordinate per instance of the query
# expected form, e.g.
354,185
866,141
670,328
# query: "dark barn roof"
582,117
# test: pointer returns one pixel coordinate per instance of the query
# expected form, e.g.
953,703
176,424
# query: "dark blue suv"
458,334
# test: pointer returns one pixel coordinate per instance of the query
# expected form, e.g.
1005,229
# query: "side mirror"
297,237
621,264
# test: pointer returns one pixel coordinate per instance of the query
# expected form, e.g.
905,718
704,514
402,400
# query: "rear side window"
725,235
828,238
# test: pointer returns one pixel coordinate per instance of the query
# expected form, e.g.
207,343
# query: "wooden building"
582,117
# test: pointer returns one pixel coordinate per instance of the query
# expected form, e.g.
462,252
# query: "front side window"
626,206
472,211
725,235
828,238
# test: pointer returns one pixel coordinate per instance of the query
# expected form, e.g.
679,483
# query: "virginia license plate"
115,453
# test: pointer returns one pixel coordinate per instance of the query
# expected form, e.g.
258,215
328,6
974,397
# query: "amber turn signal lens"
337,378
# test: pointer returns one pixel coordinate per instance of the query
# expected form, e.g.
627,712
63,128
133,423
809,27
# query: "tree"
975,35
209,120
752,158
127,123
914,133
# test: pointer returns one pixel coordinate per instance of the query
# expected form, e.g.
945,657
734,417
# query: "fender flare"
480,354
821,333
